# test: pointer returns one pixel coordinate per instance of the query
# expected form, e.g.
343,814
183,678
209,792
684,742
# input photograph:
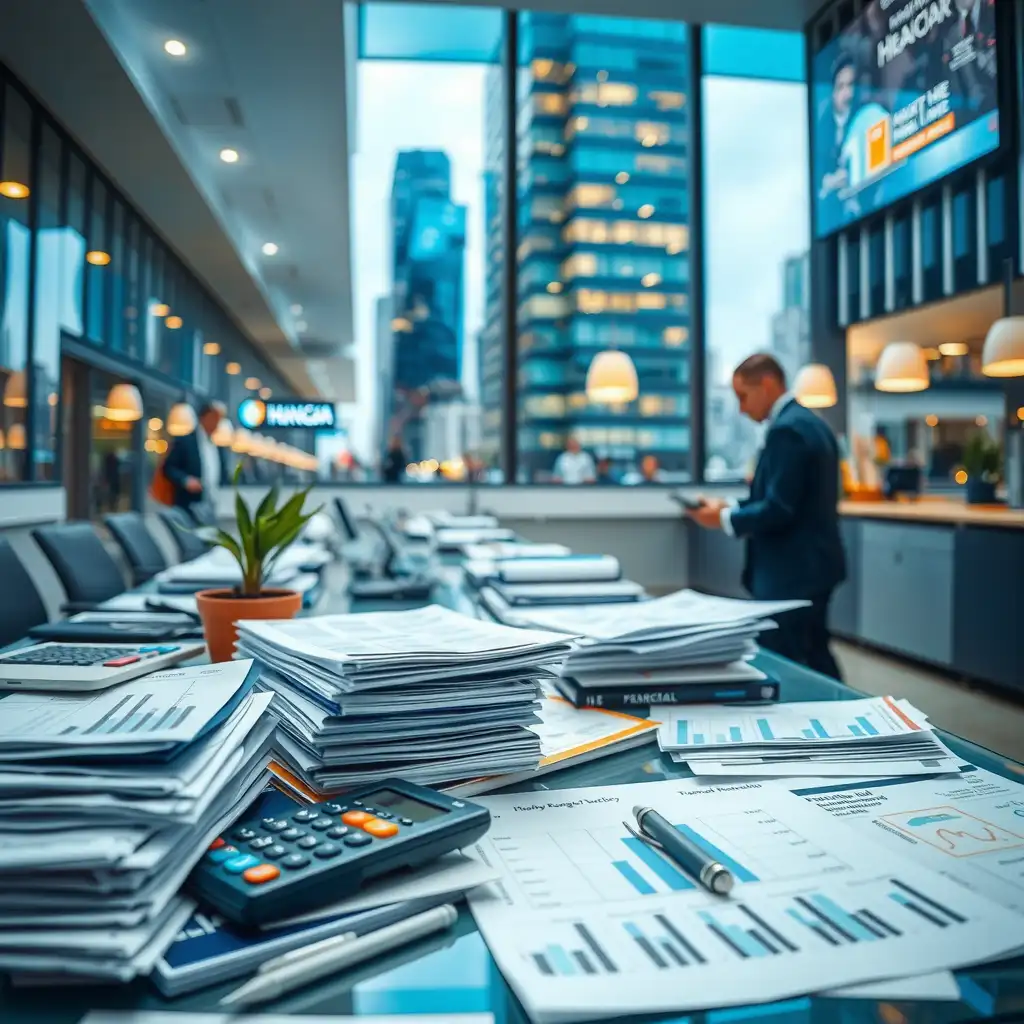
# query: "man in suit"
790,520
194,468
833,119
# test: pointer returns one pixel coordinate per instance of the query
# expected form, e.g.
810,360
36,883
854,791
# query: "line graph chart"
955,832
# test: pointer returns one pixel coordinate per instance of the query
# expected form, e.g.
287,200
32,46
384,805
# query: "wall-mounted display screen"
904,95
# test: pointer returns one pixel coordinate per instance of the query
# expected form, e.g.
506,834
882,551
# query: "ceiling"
255,79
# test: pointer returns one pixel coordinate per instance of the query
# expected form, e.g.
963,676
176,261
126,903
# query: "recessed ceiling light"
301,325
233,368
297,309
253,383
173,322
160,309
269,248
175,48
14,190
211,348
97,257
229,156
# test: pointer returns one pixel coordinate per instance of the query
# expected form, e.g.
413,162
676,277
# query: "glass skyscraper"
603,157
429,242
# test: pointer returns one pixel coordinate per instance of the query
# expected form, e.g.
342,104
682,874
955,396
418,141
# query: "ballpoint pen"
658,832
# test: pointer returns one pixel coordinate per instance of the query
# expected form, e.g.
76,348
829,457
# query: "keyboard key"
357,839
334,808
261,874
303,816
272,825
275,851
307,842
262,843
221,855
385,815
338,832
128,659
321,824
243,834
327,850
357,803
357,818
295,861
405,821
289,835
381,829
241,863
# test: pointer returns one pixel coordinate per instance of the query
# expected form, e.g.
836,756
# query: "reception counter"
934,580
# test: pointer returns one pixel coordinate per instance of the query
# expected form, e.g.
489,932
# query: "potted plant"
983,461
263,536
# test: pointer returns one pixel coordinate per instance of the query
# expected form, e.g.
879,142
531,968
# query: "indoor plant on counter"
263,536
983,462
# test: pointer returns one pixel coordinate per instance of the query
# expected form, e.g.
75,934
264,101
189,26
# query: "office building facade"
603,157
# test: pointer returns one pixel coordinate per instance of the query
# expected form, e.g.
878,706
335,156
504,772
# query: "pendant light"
611,379
124,403
1003,355
223,433
901,368
815,387
181,420
16,437
15,391
240,441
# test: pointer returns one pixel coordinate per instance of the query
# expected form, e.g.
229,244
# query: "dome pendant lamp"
611,379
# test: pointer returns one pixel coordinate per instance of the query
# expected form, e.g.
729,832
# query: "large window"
603,260
756,230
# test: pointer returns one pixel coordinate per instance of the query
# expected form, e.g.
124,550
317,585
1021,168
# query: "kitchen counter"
947,511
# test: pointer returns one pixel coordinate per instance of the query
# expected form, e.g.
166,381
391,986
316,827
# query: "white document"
561,569
936,987
172,706
880,769
135,601
587,921
454,873
190,1017
500,550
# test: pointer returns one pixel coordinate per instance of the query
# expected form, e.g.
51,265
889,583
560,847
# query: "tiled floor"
978,716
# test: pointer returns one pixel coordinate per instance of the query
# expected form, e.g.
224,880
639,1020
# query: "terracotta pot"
221,609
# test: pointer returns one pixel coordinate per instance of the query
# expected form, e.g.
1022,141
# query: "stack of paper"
107,800
877,736
505,550
429,695
218,568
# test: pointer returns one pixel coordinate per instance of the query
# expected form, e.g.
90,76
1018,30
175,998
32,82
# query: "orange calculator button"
261,873
357,818
380,829
217,843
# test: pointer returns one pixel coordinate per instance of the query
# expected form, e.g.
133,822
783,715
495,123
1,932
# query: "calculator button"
241,863
275,824
333,808
261,873
129,659
405,821
327,850
217,843
275,851
243,834
357,803
357,818
291,834
262,843
221,855
385,815
304,816
321,824
357,839
338,832
307,842
370,810
295,860
381,829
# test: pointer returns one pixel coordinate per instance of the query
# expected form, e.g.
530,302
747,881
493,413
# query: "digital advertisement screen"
904,95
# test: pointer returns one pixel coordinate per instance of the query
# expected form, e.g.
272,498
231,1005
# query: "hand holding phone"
688,502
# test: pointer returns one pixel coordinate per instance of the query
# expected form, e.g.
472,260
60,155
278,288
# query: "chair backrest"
86,569
142,551
21,607
347,522
181,524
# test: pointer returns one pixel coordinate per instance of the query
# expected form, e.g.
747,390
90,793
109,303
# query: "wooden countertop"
935,510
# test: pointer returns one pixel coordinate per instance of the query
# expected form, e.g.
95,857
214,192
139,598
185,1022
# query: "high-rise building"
603,237
791,330
429,244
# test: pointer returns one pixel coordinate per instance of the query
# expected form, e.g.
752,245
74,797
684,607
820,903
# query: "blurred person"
193,465
574,466
605,474
650,471
790,520
833,120
393,467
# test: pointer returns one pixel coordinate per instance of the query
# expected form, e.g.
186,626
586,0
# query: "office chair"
131,533
347,522
86,569
21,607
181,526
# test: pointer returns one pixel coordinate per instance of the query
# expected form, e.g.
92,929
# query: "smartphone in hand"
688,502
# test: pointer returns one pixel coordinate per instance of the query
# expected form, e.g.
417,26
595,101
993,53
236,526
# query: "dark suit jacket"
791,520
183,460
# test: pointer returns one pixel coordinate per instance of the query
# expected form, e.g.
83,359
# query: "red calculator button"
261,873
358,818
380,829
217,843
129,659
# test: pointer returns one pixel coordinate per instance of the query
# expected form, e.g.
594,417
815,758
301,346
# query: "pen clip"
643,837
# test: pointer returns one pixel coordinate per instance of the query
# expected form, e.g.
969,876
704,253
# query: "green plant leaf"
223,539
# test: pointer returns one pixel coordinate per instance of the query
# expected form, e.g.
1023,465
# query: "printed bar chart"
819,729
662,868
635,879
740,873
682,731
808,734
765,729
670,949
557,959
867,726
735,734
856,730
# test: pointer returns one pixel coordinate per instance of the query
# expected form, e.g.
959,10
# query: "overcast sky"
756,196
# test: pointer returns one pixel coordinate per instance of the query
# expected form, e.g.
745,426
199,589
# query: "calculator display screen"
402,806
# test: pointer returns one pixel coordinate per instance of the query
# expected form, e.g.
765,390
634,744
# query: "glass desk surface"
454,973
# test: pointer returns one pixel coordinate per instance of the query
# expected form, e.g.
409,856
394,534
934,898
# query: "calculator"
82,667
273,868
